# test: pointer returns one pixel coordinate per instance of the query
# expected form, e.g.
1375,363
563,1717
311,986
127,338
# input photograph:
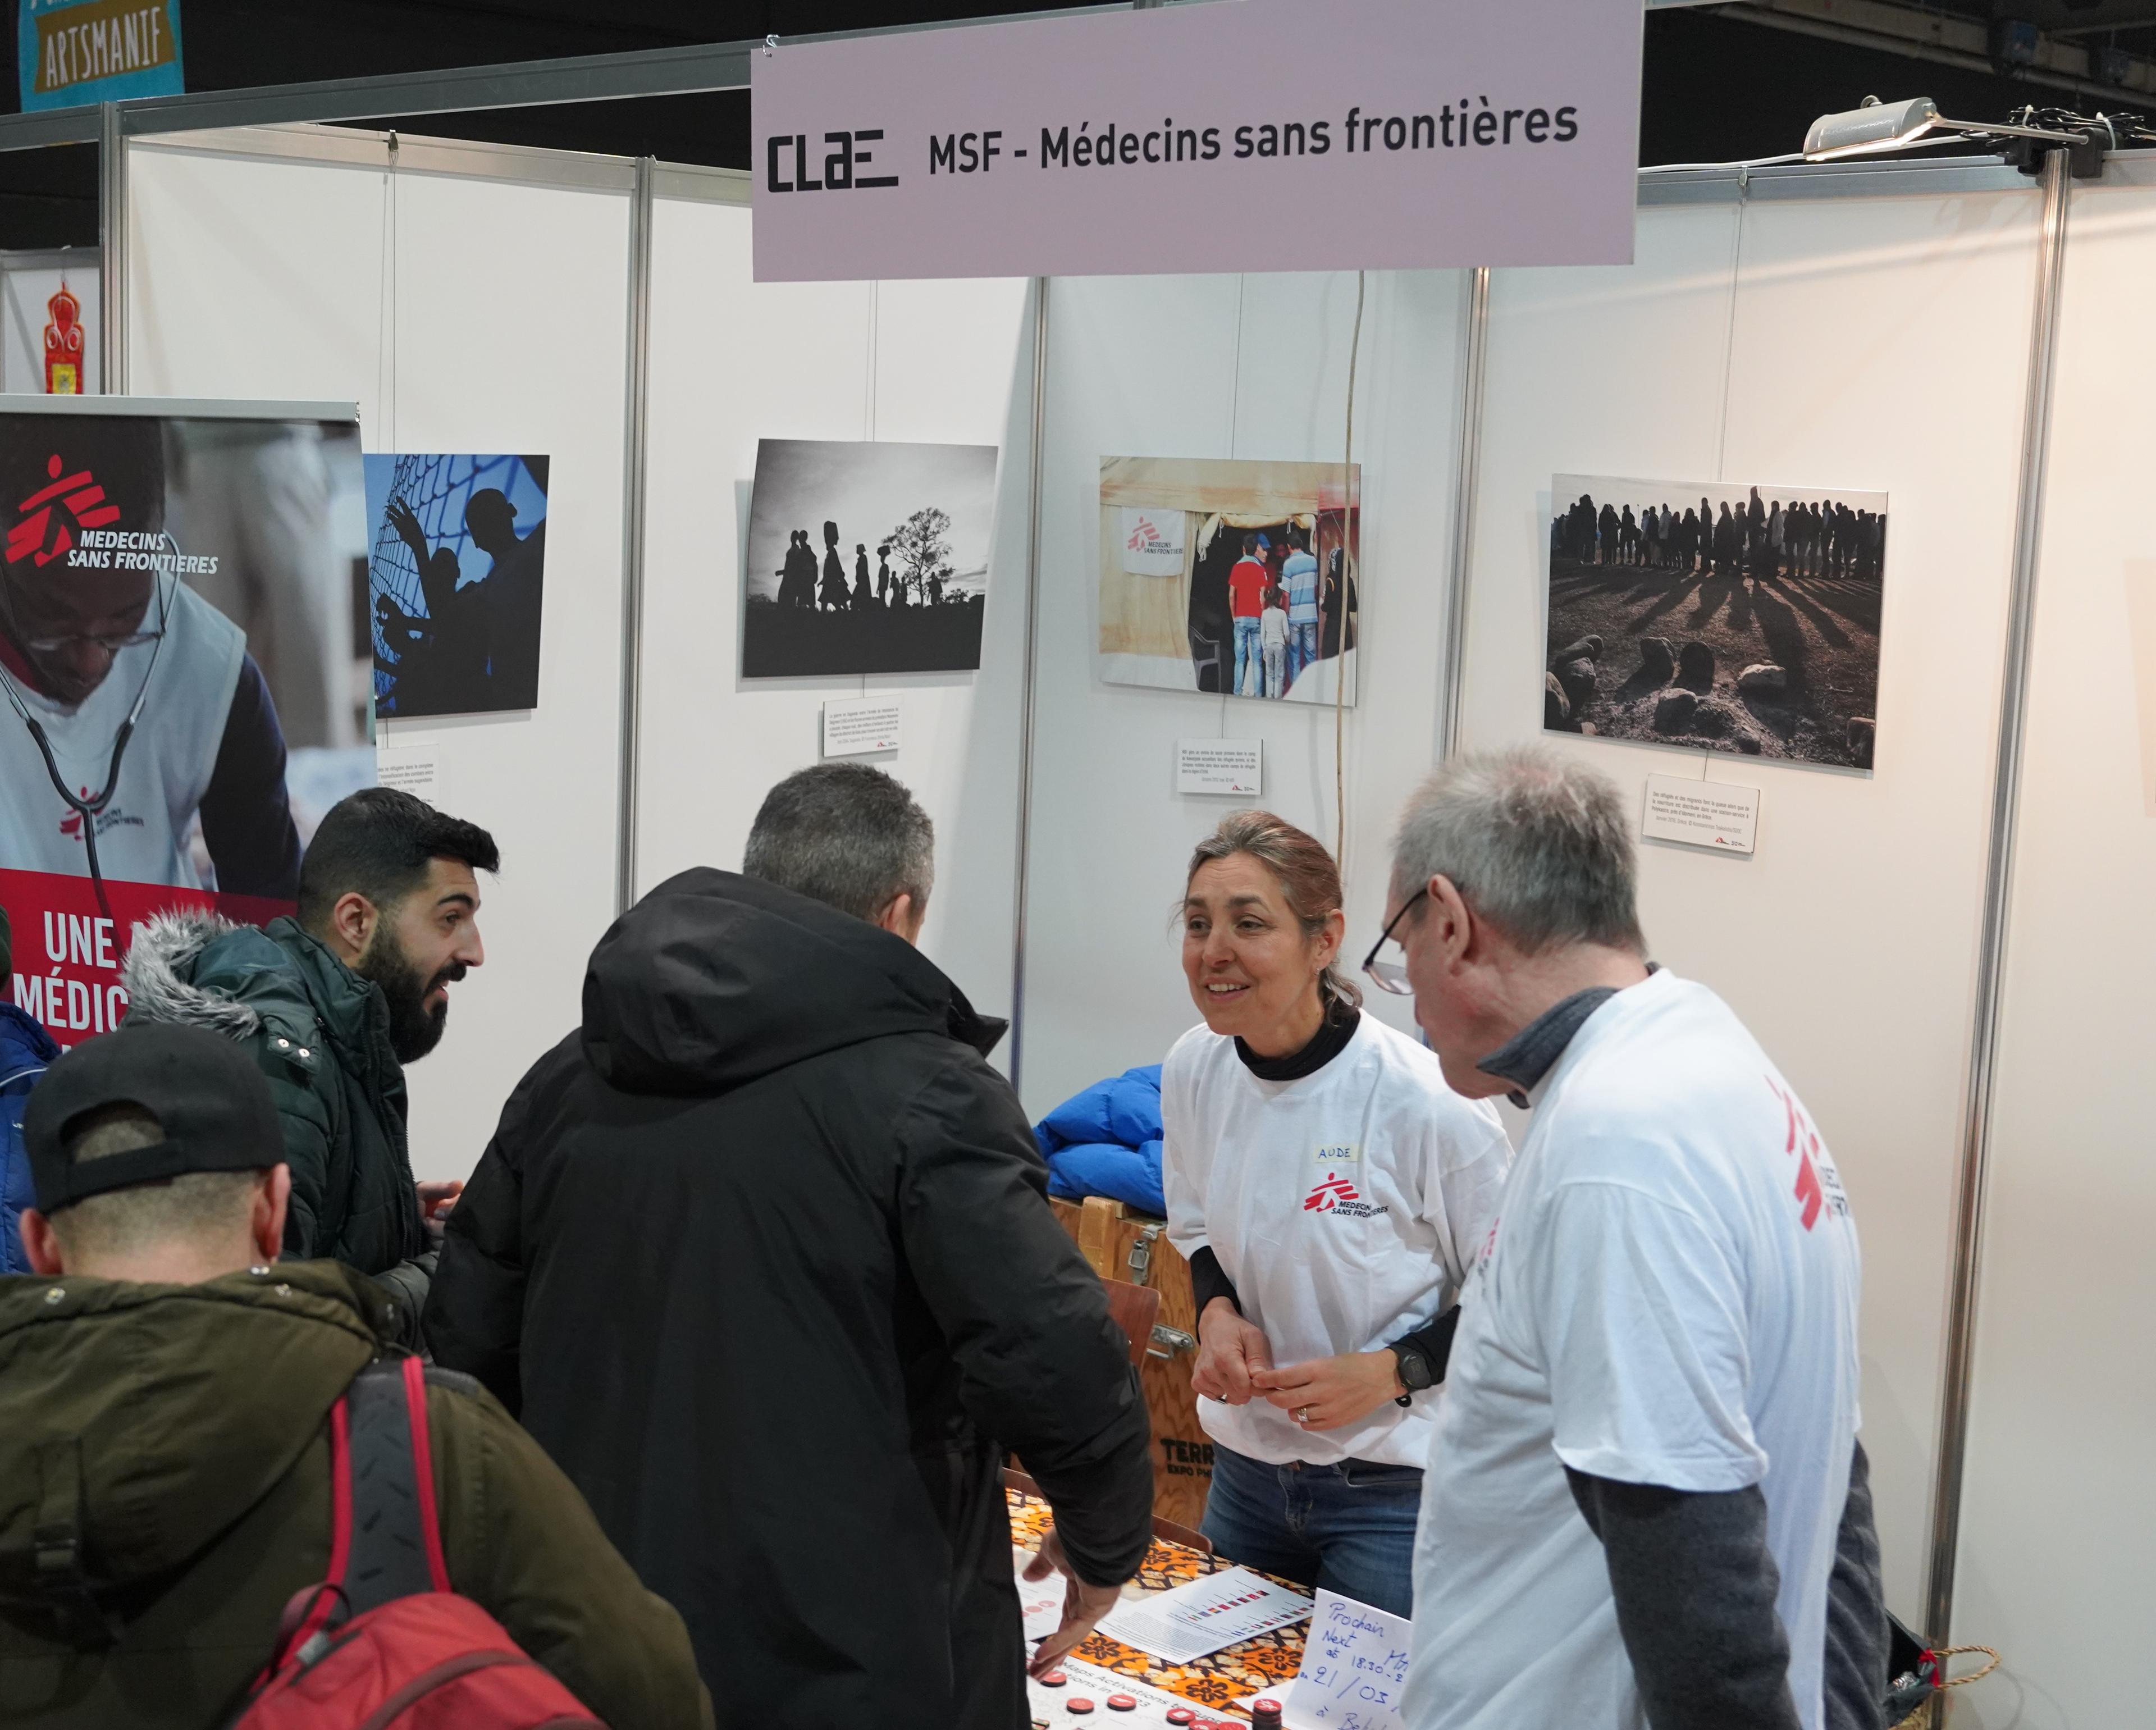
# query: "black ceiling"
1716,88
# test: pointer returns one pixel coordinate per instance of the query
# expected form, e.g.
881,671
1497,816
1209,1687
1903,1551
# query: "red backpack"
383,1644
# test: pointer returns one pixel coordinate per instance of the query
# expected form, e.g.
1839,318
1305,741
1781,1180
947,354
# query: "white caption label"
1229,766
1701,813
414,769
855,727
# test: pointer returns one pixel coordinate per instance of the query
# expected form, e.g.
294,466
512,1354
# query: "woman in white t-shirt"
1330,1192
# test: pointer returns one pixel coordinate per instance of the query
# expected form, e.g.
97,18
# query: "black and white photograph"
1741,618
866,558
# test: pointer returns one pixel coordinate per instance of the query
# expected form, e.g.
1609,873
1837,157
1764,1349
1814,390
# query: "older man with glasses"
1645,1502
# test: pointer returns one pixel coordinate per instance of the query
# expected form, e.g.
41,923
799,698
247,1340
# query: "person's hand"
1230,1350
406,522
1327,1393
1083,1606
435,1201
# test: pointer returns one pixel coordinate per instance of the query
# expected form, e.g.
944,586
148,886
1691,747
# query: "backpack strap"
388,1487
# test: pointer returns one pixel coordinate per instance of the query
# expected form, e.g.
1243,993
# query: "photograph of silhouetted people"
457,576
1747,623
927,510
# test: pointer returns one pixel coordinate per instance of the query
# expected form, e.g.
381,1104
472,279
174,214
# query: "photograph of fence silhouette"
1738,619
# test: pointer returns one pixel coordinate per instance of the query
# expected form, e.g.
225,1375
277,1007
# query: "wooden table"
1266,1663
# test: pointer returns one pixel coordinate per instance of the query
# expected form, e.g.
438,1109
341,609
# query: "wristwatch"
1413,1372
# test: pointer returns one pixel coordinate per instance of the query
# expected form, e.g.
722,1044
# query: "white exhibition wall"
1847,942
464,311
2057,1523
734,361
1249,368
1873,339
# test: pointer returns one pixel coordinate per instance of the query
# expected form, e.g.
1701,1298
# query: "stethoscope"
91,808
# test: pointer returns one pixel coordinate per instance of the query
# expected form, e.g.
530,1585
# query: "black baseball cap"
212,1102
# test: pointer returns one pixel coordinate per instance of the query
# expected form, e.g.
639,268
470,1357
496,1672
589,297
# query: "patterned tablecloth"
1234,1673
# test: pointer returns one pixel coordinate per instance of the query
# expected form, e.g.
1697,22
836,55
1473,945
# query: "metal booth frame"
725,66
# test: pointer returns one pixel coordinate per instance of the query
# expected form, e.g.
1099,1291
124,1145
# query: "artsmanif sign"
1242,135
71,52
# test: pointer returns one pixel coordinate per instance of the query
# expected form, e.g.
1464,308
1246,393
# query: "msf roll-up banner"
184,673
1237,136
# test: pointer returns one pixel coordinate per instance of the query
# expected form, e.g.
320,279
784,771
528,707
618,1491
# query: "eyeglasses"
110,644
110,641
1392,975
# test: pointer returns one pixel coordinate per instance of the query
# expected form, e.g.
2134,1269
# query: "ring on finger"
1302,1414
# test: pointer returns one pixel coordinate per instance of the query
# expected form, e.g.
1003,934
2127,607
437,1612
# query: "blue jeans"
1247,655
1301,646
1349,1527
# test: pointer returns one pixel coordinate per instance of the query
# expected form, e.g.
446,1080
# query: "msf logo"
790,166
1329,1195
43,534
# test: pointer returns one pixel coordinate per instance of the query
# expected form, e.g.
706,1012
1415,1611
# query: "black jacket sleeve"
475,1315
1857,1634
1694,1587
1045,1372
246,817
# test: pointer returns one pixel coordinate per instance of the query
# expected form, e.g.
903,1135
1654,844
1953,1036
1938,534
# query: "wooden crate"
1109,1235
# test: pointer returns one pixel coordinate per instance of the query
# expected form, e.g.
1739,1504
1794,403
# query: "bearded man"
331,1004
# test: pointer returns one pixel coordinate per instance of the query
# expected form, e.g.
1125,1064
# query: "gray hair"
1537,843
118,1222
845,834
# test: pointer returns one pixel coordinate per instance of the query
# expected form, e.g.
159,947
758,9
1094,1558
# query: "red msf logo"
1328,1195
40,537
1143,536
1804,1141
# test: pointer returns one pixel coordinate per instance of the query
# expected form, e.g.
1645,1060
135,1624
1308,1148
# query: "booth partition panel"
735,361
2057,1523
1845,344
470,302
1254,370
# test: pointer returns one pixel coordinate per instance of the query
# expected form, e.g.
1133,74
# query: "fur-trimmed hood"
159,975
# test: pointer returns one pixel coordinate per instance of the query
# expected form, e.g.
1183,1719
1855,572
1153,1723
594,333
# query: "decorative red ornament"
63,344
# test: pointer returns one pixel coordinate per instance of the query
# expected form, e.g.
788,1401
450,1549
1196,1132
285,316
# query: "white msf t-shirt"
1346,1206
1668,1297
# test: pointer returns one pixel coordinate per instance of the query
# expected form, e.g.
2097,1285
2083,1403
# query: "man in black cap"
164,1392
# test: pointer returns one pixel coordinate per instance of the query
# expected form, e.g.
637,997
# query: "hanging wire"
1351,535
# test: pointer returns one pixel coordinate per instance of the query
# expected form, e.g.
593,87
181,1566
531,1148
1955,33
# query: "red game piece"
1182,1715
1054,1679
1121,1702
1078,1703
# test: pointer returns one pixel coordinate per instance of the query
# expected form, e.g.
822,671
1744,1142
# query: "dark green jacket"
181,1432
322,1035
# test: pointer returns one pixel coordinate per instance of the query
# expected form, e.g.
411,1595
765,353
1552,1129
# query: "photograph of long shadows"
1738,619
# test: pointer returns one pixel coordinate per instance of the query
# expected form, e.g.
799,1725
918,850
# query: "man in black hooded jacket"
763,1258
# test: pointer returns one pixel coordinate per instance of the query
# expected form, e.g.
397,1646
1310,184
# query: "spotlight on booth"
1877,126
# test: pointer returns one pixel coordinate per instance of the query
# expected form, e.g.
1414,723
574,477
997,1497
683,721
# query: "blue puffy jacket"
1106,1142
25,1049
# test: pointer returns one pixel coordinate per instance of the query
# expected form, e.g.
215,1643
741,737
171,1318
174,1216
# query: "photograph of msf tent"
1740,618
1231,577
867,557
178,700
457,569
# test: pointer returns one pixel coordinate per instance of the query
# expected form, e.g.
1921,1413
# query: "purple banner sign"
1243,134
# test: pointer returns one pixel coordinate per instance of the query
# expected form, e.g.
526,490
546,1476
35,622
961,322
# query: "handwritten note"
1354,1668
1205,1615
